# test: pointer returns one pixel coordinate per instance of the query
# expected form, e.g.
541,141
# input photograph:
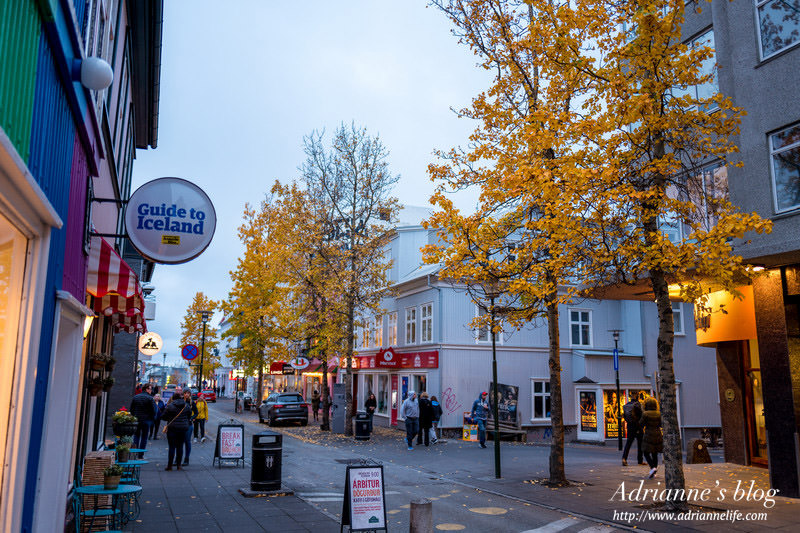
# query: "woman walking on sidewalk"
437,415
177,415
653,440
200,421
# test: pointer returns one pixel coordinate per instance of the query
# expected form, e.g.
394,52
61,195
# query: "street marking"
552,527
312,494
489,510
596,529
393,511
326,499
450,527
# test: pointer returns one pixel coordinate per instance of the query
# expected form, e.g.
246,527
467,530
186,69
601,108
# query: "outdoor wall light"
94,73
87,324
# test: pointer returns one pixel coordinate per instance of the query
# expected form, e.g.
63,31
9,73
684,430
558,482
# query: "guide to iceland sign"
170,220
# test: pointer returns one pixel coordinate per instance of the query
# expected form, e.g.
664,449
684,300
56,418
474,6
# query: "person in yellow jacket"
200,420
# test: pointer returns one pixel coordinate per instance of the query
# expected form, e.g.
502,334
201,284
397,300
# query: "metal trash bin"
362,426
265,473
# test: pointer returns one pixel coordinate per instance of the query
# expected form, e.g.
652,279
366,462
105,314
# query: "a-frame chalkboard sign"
230,443
364,506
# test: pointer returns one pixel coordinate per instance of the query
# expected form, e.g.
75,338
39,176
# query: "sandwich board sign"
364,506
230,443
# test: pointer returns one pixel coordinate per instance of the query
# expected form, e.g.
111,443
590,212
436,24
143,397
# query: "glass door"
754,399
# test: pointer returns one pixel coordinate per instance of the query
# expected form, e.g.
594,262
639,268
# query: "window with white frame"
482,333
377,332
710,88
580,327
540,396
785,152
677,318
778,25
426,322
411,325
364,337
392,340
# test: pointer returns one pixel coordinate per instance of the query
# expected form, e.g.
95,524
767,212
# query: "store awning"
276,367
115,288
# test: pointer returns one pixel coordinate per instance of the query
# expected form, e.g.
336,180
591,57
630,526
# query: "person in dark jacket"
144,409
633,413
187,439
370,405
437,415
653,439
315,397
425,419
178,417
159,413
479,413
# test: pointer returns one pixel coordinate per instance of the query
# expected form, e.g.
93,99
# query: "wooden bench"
507,428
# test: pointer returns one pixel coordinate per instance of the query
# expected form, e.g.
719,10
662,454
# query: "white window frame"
580,323
392,333
772,153
677,319
482,334
544,394
758,5
411,325
377,332
364,336
426,322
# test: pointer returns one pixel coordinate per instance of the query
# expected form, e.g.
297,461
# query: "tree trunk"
557,475
326,421
348,376
260,379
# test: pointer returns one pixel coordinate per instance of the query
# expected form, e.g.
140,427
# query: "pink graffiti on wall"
451,403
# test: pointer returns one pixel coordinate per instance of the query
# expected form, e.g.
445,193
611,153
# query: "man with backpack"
632,412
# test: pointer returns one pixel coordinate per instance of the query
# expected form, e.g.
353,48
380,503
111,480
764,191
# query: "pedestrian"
410,413
177,415
425,419
632,412
370,405
159,413
315,397
653,439
144,409
187,436
437,416
200,421
479,413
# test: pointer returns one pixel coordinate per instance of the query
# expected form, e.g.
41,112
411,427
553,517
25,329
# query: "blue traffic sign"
189,352
616,359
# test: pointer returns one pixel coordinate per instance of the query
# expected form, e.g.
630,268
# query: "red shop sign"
420,360
387,359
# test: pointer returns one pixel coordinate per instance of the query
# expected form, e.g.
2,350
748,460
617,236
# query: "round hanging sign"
299,363
150,343
170,220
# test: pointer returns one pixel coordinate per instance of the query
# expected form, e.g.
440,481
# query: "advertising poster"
611,409
231,443
469,431
588,411
365,501
506,398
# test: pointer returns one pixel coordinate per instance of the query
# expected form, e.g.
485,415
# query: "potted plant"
111,476
123,422
110,363
108,383
123,452
98,361
95,385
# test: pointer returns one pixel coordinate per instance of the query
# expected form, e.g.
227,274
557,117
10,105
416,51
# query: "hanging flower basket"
107,384
124,428
95,386
98,361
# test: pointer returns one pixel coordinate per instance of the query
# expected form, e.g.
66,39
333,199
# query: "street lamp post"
615,333
204,315
164,371
494,392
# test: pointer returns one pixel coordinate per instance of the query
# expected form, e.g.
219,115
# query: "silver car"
283,407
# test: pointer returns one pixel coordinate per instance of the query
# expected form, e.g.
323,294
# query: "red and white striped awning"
115,288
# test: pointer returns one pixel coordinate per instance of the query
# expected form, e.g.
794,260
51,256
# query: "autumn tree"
192,333
352,182
519,249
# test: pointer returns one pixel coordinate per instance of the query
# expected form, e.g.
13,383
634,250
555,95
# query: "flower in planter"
123,416
108,383
113,470
125,440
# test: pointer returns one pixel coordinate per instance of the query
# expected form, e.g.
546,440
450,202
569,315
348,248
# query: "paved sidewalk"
204,498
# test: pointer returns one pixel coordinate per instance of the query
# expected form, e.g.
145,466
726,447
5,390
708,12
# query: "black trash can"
266,470
362,426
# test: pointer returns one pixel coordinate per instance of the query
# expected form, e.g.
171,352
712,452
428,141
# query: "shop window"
383,394
778,25
426,323
377,332
611,414
419,383
392,334
677,318
411,325
540,394
785,152
368,386
580,327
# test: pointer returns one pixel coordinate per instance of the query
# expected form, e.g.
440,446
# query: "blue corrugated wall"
52,144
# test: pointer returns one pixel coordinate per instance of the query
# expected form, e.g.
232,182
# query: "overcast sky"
242,82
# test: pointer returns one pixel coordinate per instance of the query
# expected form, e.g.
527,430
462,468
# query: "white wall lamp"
94,73
87,324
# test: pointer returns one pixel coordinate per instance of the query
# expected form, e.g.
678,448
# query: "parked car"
195,392
209,395
283,407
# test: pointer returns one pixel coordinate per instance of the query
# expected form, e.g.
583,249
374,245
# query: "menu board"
588,401
230,443
364,506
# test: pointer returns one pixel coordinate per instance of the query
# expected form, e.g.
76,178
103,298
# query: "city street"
457,477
